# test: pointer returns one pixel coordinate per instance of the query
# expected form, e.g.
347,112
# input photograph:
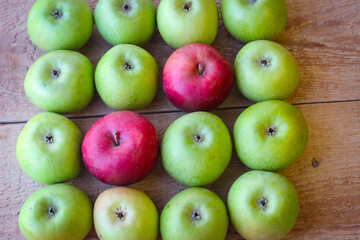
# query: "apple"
124,213
126,77
60,24
194,213
121,148
197,78
249,20
265,70
184,22
56,212
270,135
196,149
49,149
126,21
263,205
61,81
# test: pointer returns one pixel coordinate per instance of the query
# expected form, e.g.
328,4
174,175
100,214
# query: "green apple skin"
70,29
124,213
61,81
179,26
56,212
270,135
263,205
194,213
196,149
126,21
126,77
250,20
265,70
48,149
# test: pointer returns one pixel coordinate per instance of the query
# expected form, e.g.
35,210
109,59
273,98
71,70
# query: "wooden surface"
324,38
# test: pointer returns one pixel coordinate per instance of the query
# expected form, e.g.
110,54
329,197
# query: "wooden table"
324,38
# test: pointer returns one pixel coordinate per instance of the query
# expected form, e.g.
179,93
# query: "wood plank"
329,193
322,35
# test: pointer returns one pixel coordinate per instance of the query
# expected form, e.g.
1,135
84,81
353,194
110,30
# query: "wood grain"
322,35
329,193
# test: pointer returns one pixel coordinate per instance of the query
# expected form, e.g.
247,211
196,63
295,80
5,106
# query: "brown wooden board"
329,193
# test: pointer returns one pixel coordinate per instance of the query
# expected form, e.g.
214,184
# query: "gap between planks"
177,111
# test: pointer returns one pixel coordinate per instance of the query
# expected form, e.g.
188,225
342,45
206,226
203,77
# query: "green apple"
265,70
60,24
61,81
56,212
124,213
182,22
196,149
249,20
270,135
263,205
126,21
194,213
126,77
49,149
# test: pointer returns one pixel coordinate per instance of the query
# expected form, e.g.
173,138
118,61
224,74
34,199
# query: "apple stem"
126,7
57,14
116,137
51,211
262,203
187,6
55,73
201,69
48,138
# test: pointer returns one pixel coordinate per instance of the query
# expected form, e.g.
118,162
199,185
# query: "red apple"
197,77
120,148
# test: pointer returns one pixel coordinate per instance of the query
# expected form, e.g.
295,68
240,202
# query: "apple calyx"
200,69
51,211
55,73
126,7
195,216
187,6
271,131
120,215
57,14
198,138
48,138
264,62
252,1
116,137
262,203
128,66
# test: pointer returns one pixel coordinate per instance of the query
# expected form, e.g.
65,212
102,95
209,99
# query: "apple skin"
126,77
179,218
257,148
197,78
72,218
124,213
196,149
71,31
126,21
252,219
56,160
250,20
265,70
61,81
130,161
179,27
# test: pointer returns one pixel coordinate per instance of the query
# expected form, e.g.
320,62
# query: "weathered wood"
322,35
329,193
